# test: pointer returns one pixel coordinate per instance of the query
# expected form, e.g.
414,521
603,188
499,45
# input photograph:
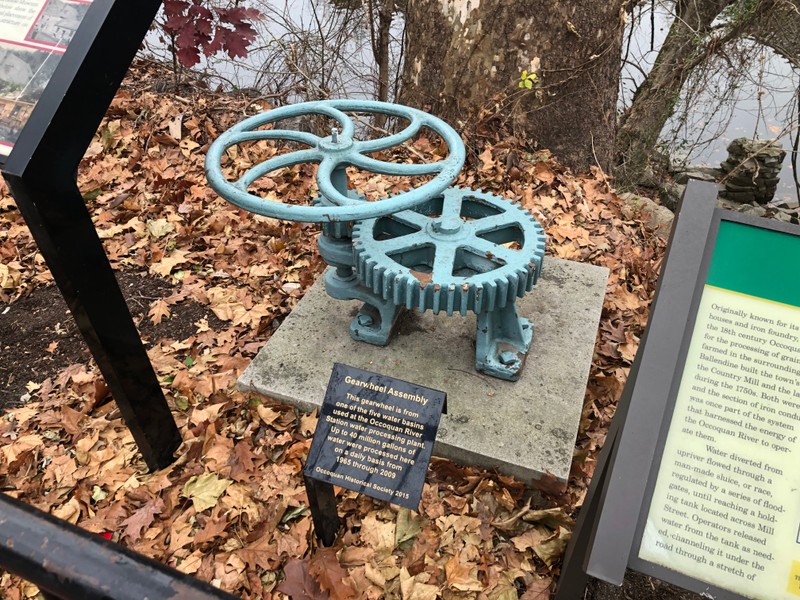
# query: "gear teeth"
479,293
397,290
492,296
502,292
538,263
451,298
436,302
386,286
531,278
376,280
513,286
464,301
361,269
372,264
397,287
521,281
420,290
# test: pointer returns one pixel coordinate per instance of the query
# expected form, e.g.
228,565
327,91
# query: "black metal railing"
68,563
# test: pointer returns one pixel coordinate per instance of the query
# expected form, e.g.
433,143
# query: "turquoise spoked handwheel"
333,154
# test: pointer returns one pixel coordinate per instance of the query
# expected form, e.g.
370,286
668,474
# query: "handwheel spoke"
287,112
277,162
386,168
391,141
325,182
309,139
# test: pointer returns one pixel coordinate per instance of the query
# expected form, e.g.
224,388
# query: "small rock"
701,172
752,209
656,217
670,195
780,215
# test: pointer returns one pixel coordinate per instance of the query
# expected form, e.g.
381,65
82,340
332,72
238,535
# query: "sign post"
56,112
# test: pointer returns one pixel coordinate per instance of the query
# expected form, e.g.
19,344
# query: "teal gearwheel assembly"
434,247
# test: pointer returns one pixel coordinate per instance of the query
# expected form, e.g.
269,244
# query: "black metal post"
67,562
322,503
40,172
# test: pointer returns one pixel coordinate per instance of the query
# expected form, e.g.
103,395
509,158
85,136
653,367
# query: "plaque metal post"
322,503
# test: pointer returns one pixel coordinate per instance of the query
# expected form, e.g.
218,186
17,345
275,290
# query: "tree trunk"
384,28
689,44
464,59
380,23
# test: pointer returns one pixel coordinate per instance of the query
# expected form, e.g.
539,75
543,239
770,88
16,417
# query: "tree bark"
464,59
380,14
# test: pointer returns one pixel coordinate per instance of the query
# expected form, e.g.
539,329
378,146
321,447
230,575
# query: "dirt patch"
637,586
39,337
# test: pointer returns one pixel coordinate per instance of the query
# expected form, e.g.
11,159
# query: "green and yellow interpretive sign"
726,505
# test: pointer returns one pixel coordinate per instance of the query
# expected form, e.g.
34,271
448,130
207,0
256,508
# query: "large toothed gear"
464,250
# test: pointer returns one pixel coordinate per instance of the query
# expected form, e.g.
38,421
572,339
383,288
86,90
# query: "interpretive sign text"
726,504
375,435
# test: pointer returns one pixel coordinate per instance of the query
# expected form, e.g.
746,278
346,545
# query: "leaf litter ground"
208,284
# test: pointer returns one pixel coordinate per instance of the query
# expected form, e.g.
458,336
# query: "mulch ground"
40,339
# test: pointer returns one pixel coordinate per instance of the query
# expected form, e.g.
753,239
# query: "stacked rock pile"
753,168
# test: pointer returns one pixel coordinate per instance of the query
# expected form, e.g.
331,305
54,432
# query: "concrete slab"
524,429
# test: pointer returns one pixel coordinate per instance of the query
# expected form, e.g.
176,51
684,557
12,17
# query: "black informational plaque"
375,435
